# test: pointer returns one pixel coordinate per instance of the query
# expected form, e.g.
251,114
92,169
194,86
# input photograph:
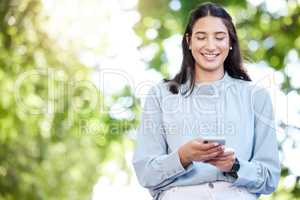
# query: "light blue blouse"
237,110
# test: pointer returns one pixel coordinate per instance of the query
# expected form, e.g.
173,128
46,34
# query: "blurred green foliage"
55,131
272,34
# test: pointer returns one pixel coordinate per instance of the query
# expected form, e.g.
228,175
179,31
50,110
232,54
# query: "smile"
210,56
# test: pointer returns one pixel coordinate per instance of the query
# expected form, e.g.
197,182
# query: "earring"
230,48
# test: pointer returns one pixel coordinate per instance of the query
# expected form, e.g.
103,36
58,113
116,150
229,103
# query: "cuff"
173,166
250,174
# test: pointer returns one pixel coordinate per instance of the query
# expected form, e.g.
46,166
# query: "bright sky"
101,33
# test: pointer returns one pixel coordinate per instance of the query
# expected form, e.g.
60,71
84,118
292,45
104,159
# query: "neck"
203,75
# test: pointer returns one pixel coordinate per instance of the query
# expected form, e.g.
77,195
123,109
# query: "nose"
210,44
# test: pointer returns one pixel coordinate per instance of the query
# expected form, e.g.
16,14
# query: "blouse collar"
207,88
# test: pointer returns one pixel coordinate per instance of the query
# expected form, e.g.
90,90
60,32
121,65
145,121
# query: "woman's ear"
187,37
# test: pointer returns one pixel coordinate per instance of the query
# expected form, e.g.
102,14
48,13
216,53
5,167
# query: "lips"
210,56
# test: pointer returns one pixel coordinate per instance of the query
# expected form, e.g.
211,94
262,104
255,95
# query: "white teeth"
210,55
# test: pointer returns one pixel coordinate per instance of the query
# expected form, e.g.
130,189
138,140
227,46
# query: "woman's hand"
197,150
223,161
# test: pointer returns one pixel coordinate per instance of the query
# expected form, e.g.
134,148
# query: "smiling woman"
174,158
209,44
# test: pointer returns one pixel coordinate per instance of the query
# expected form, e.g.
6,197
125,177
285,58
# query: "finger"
207,146
219,159
211,155
223,162
225,157
210,162
219,148
204,155
228,152
200,146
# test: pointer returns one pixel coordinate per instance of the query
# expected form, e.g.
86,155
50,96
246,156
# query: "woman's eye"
200,38
221,38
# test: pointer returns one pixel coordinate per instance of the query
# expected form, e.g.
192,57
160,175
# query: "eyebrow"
218,32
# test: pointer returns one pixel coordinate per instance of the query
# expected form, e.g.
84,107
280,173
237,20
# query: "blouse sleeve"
260,174
153,166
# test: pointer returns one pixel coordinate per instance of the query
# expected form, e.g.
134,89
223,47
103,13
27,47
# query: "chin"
210,68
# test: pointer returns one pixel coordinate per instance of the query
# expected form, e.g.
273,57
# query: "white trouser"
219,190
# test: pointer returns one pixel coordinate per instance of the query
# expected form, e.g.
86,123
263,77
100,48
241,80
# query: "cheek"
197,45
195,49
224,46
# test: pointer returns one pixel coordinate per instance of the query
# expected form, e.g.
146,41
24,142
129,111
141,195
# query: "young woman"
211,96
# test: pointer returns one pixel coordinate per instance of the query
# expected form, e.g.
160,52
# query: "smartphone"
221,141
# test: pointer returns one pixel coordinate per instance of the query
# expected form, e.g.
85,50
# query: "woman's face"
209,43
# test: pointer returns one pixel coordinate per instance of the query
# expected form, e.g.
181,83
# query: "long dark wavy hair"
233,63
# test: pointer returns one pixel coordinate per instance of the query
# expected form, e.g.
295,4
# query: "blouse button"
211,185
